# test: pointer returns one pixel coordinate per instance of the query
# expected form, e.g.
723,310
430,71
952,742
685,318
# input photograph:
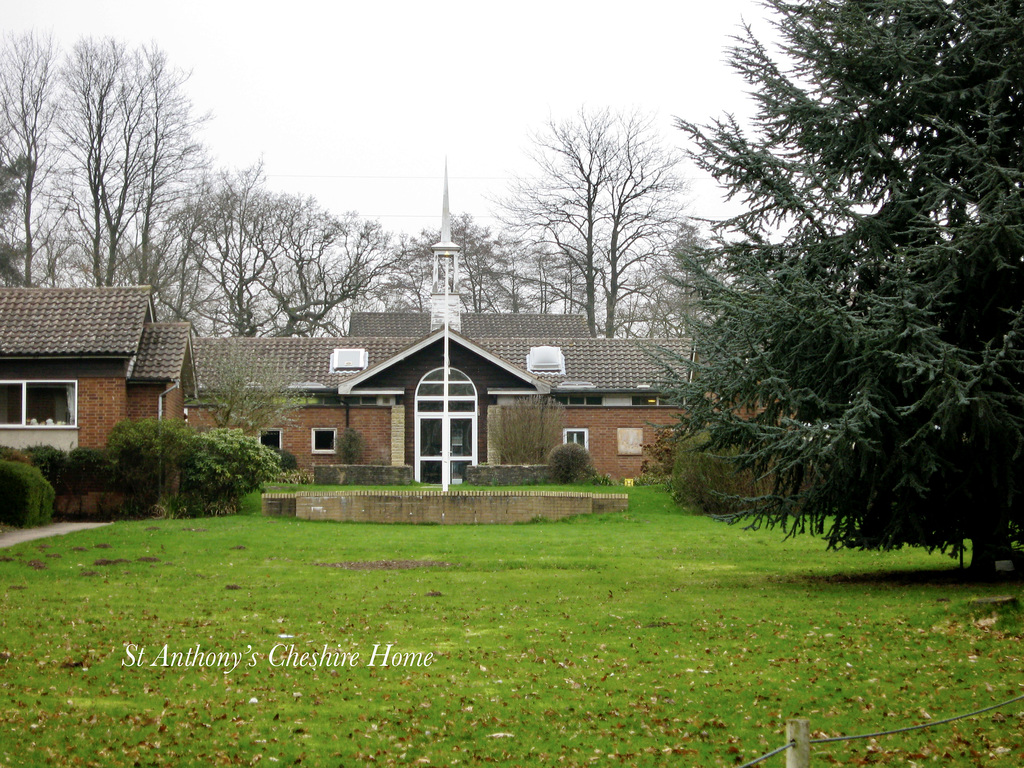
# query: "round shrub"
570,463
225,464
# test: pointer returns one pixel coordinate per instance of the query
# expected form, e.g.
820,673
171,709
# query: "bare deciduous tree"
103,125
234,255
276,264
406,286
28,108
243,389
130,133
323,263
173,158
604,201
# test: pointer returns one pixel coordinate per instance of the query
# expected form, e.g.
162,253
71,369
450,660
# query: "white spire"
446,217
446,247
446,304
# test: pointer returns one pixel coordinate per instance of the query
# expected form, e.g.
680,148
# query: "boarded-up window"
631,441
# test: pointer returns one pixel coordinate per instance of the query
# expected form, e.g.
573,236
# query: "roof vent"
545,360
348,360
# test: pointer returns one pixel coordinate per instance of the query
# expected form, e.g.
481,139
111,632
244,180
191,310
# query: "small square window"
578,436
324,440
271,438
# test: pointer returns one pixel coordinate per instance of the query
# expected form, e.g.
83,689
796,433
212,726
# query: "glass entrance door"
436,408
431,456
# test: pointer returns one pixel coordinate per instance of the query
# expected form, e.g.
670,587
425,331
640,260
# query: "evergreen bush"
146,458
52,462
287,459
570,463
27,497
223,465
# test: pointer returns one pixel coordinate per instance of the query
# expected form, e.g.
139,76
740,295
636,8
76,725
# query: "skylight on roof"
348,360
545,360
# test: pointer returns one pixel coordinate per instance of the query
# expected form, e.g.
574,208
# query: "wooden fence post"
798,731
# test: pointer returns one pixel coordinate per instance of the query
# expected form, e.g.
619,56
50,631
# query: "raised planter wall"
437,507
361,474
507,474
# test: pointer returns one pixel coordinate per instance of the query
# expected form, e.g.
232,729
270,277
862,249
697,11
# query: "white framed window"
445,419
38,403
271,438
324,440
577,435
579,399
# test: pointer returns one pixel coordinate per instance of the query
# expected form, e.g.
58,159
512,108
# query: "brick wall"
603,422
456,507
102,402
372,421
377,425
143,401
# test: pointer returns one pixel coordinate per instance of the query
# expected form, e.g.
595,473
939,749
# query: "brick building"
74,362
420,387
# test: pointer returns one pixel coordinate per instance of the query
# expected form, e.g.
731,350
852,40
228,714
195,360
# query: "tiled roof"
607,364
72,321
410,325
162,352
305,359
475,325
512,326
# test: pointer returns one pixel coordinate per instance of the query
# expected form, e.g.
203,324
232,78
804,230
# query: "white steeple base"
437,313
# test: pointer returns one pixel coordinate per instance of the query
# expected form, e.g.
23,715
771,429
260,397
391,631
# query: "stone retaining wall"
507,474
361,474
437,507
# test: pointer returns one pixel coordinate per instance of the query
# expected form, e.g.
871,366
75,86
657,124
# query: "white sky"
359,103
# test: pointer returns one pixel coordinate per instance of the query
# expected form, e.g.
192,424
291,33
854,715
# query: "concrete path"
57,529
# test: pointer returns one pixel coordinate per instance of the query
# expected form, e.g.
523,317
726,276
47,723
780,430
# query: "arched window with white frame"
437,409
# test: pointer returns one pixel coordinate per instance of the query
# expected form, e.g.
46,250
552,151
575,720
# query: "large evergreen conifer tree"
867,305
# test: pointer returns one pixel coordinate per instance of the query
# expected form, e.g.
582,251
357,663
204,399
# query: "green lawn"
650,637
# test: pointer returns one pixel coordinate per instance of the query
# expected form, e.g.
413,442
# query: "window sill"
38,426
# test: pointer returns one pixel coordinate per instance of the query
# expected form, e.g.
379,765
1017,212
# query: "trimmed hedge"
28,498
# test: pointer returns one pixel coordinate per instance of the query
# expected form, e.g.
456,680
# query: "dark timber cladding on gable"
408,372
